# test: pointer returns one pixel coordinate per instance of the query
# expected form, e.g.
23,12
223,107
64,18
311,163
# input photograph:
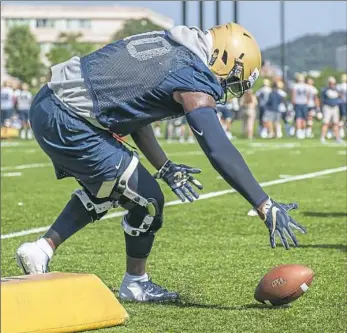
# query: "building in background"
97,23
341,58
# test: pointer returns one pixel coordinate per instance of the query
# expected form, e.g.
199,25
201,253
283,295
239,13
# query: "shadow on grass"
340,247
326,214
187,304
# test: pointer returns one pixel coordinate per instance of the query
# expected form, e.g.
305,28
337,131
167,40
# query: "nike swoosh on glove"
279,222
179,178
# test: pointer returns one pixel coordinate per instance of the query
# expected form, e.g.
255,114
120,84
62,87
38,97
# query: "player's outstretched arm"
146,141
225,158
178,176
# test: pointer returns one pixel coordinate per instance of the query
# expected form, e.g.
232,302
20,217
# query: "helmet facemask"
234,83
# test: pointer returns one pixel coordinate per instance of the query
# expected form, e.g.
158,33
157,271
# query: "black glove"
278,221
179,177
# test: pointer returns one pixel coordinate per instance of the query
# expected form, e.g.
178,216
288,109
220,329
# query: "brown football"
283,284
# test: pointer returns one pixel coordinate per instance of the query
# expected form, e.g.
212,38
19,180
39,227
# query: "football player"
331,99
342,88
7,102
122,89
23,103
313,106
300,95
263,95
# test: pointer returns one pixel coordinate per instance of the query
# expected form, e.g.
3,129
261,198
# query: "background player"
342,89
300,95
313,106
23,103
263,96
330,106
7,102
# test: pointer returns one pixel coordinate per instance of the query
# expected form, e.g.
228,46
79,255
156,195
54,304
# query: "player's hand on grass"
279,223
179,178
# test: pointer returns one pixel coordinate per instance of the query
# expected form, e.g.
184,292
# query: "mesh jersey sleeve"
194,78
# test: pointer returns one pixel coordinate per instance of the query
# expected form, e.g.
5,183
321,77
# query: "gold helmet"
280,84
236,58
266,83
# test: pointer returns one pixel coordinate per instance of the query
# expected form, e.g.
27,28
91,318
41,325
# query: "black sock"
73,218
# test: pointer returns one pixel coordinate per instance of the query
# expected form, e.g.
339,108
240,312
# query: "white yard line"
21,151
285,176
26,166
174,154
202,197
11,174
5,144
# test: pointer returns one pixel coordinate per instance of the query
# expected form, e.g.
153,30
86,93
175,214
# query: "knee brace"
151,222
129,199
97,208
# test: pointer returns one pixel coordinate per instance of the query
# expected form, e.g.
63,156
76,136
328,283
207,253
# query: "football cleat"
32,258
145,291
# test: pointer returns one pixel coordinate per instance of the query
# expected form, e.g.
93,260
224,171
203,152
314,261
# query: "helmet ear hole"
225,57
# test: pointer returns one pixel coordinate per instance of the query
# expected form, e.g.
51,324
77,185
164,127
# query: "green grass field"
210,251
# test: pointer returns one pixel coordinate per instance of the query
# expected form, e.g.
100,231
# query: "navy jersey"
330,96
276,98
132,81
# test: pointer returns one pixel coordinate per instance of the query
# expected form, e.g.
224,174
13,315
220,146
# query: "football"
283,284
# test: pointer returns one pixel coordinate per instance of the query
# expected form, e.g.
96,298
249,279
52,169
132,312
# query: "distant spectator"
157,129
300,94
342,89
282,108
23,103
226,114
248,104
263,96
330,106
7,102
272,115
313,106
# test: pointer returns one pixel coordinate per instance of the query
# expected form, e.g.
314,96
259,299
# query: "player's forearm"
149,146
224,157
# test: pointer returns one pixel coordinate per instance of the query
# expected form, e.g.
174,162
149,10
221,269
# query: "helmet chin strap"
209,39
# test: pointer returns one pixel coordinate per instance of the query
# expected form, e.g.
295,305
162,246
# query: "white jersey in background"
312,94
282,107
300,93
7,98
342,89
263,95
24,99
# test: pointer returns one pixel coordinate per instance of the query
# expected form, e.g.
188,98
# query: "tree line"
23,52
23,59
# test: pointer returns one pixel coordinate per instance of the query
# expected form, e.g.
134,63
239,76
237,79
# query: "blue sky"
261,18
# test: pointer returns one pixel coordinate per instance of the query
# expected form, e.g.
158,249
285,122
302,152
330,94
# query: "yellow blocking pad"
57,303
8,133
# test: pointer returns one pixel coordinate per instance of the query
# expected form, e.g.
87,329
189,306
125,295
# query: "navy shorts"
23,115
225,111
6,114
76,148
300,111
343,110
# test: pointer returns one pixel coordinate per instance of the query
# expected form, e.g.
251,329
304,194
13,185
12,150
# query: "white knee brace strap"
89,205
136,198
